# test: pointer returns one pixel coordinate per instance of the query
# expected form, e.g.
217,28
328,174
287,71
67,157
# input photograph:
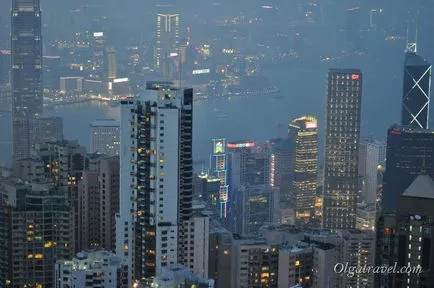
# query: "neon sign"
219,147
355,76
241,145
312,125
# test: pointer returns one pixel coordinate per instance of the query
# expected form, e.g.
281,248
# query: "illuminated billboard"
241,145
312,125
219,146
98,34
355,76
201,71
120,80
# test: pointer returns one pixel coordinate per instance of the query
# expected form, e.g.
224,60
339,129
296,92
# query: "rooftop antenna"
412,46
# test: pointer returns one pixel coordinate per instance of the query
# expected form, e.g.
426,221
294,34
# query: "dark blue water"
302,91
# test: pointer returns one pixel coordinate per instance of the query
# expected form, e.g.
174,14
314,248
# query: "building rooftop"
408,129
422,187
344,70
413,59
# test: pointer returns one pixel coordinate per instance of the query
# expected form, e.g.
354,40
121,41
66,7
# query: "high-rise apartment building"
416,91
27,92
167,43
104,137
304,132
156,179
63,163
98,194
255,264
220,255
357,248
410,150
405,238
40,231
343,109
91,269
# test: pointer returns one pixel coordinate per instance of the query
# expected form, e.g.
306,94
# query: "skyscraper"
26,44
410,150
304,131
156,179
371,154
218,168
405,238
416,90
344,93
167,43
41,221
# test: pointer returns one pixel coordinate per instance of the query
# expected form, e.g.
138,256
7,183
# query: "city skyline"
208,158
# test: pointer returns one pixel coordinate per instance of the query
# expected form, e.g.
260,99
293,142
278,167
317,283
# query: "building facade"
95,269
304,132
259,206
26,64
104,137
41,232
372,155
344,93
405,239
98,193
156,179
416,91
409,151
167,45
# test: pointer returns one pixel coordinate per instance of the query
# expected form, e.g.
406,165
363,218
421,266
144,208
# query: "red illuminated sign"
395,132
355,77
241,145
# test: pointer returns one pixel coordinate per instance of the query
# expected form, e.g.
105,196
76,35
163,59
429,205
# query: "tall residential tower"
156,173
344,93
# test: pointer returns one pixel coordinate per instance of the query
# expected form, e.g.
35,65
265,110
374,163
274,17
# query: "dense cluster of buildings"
132,212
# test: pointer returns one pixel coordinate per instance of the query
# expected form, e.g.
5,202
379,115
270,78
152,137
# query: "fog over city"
173,138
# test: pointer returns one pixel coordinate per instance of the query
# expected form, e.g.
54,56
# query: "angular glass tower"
416,91
27,93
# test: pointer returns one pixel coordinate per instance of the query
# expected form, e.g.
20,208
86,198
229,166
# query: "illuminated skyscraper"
167,43
344,93
218,168
156,180
416,90
27,93
304,131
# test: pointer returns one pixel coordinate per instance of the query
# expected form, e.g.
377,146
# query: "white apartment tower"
156,179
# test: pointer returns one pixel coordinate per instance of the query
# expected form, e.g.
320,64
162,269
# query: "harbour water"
262,117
